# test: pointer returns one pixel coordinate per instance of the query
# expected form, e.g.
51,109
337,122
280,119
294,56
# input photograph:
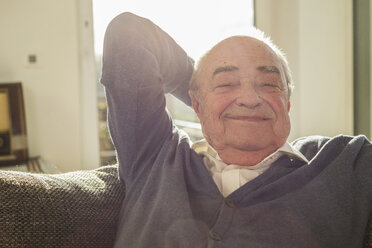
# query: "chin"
252,142
248,146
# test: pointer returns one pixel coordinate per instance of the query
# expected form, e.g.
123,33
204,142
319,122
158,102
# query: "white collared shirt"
230,177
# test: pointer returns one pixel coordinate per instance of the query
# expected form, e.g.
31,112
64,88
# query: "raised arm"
141,63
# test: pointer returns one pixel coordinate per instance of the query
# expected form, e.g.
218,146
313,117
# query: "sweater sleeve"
141,63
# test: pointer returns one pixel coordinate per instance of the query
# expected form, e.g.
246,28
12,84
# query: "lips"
255,118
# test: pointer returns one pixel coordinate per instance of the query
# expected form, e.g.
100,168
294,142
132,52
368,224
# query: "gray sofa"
76,209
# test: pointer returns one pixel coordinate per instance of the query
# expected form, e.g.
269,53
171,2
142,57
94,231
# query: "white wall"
55,89
317,38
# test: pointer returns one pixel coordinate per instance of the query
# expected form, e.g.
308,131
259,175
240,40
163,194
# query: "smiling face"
243,100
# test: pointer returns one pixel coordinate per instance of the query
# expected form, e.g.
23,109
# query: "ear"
195,103
289,105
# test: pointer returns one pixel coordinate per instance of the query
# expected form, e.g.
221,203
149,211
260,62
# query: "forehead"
240,51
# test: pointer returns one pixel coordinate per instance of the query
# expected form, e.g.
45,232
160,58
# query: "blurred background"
54,49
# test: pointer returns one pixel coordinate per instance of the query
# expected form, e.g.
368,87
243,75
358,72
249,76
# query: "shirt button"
230,203
215,236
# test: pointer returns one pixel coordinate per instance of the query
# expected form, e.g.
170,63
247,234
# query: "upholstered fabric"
368,236
77,209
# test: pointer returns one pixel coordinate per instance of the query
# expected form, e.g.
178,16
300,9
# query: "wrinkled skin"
243,102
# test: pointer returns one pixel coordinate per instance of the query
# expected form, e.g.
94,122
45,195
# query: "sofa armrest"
76,209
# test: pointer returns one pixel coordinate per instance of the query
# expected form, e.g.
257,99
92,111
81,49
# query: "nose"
248,96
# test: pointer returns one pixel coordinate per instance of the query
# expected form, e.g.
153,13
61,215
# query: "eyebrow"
227,68
268,69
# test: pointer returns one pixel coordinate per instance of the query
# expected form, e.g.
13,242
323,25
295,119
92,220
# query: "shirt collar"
203,147
292,152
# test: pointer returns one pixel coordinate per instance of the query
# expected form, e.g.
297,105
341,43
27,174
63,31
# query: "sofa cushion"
76,209
368,235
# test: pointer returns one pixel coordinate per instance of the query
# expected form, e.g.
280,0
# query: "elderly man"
245,185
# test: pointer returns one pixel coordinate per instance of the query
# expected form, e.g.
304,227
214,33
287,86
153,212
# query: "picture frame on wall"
13,135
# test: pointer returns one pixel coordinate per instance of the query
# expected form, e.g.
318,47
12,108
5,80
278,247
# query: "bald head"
255,36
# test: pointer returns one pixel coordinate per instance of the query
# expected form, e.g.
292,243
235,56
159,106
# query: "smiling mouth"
248,118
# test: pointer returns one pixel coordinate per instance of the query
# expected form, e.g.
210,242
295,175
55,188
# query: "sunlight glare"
194,25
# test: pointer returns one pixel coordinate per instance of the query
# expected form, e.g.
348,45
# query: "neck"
242,157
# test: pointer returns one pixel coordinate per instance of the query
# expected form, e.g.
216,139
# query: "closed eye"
273,85
269,84
224,85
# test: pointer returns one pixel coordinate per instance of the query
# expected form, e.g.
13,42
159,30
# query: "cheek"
215,106
212,123
280,107
224,102
279,104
